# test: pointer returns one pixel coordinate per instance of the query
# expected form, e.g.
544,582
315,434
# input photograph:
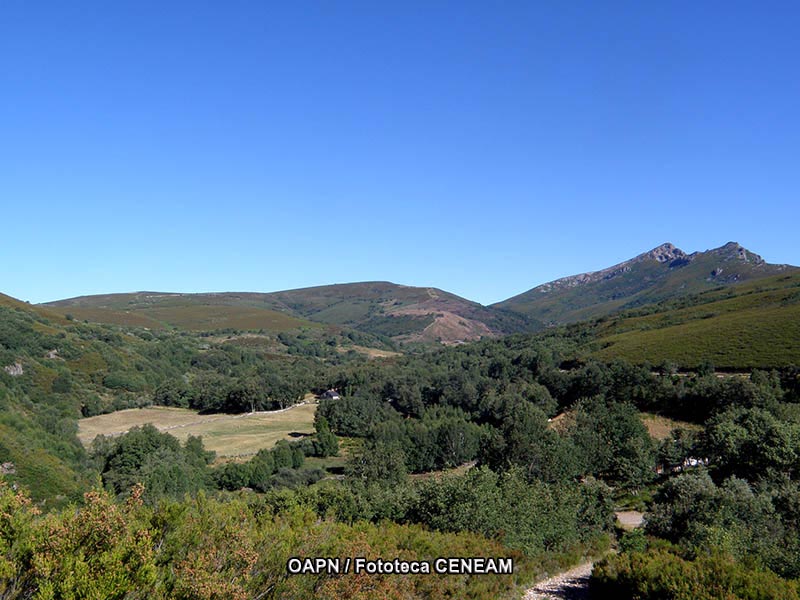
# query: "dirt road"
569,585
574,584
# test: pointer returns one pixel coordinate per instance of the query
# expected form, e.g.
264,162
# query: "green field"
228,435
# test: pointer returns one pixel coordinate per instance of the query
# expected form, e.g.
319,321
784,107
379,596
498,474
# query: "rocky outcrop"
14,370
735,251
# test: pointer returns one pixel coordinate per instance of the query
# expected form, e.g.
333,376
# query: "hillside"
192,312
661,274
404,313
52,371
754,324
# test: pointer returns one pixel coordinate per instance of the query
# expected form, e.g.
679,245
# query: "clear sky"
480,147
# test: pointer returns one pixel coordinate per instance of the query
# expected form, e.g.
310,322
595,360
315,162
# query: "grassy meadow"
228,435
660,427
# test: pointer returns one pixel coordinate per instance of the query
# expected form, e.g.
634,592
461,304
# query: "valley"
418,418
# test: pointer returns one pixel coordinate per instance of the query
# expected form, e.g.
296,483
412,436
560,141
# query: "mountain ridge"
402,312
661,273
428,314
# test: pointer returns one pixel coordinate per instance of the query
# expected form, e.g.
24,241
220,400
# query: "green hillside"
193,312
52,371
754,324
663,273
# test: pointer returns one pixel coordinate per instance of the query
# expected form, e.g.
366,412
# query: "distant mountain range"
404,313
663,273
424,314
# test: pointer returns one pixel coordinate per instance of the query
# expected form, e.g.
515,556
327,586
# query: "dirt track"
569,585
574,584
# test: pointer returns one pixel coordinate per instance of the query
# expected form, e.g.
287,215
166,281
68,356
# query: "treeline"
600,438
327,345
729,490
491,401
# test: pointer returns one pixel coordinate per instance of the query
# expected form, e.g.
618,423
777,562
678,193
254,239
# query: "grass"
40,311
228,435
660,427
211,317
112,317
459,470
335,465
192,317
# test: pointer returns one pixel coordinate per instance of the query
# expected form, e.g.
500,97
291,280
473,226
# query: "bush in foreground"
661,574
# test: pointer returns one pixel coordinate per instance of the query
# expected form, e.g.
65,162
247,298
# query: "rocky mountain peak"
664,253
735,251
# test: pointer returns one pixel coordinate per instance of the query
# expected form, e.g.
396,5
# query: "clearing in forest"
227,435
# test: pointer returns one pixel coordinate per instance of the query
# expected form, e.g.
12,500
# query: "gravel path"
569,585
574,584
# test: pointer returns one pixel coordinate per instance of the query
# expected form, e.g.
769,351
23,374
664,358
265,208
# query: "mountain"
663,273
426,314
404,313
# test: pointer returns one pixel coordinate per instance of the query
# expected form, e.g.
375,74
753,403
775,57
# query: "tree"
325,442
613,442
378,463
752,444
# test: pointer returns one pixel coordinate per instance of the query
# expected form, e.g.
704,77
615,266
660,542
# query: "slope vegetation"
755,324
194,312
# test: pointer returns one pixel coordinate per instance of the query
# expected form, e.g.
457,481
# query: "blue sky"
480,147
